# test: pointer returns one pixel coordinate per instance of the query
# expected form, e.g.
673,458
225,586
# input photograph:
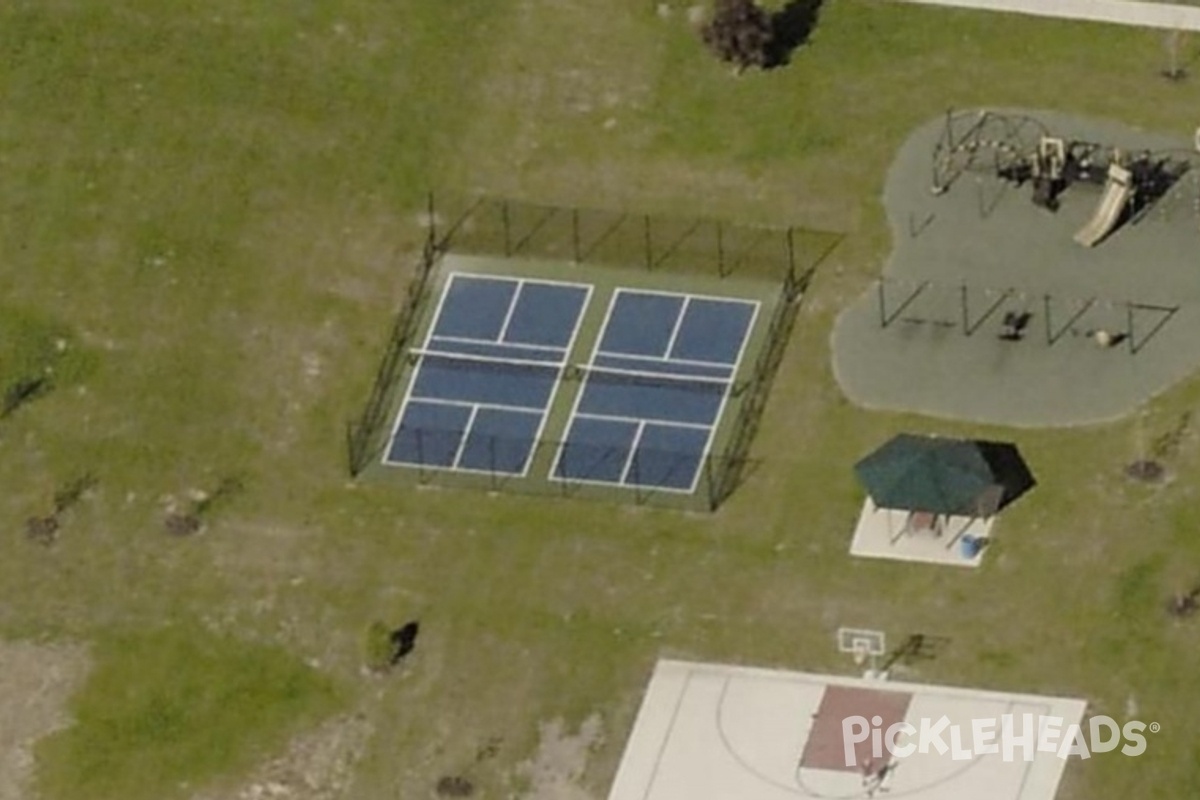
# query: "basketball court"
714,732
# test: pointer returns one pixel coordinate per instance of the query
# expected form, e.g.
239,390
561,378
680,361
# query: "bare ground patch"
557,768
36,681
318,765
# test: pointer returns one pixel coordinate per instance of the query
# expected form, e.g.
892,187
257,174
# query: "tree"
739,32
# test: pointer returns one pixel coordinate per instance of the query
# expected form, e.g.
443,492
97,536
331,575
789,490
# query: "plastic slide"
1117,192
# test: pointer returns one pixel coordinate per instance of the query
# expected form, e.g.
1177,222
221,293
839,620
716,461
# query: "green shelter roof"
944,476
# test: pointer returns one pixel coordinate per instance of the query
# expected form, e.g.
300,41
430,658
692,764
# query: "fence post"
420,454
710,481
720,250
1129,327
966,314
648,244
575,234
432,212
494,478
1046,310
352,449
507,232
791,254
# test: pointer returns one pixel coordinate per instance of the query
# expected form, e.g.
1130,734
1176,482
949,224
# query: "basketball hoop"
862,644
860,655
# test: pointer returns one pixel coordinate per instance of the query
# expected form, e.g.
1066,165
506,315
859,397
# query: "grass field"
214,205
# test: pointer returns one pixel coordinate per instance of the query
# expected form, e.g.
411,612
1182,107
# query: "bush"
378,647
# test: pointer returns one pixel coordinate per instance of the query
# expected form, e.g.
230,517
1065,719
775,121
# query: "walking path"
1122,12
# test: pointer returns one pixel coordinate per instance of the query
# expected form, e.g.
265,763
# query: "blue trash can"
971,546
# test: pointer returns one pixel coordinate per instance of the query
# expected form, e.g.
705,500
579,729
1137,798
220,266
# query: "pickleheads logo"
1010,736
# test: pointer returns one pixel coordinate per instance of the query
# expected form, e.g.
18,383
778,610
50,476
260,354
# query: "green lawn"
215,205
168,709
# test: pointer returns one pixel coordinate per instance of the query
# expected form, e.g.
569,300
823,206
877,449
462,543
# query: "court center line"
462,444
512,307
632,457
675,329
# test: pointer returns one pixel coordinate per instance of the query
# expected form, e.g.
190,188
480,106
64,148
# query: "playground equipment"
970,136
1022,151
1016,316
1118,192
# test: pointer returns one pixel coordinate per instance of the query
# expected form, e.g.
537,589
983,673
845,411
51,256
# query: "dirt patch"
318,765
557,768
36,681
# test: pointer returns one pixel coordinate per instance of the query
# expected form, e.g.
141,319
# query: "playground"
1043,273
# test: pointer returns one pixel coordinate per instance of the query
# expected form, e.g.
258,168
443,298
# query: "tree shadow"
790,28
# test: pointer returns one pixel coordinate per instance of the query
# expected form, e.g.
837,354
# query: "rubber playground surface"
928,337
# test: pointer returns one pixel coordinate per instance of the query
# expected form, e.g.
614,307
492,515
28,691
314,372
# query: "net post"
883,323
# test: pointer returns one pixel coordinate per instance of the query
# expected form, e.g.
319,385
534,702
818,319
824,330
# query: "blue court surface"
487,374
654,390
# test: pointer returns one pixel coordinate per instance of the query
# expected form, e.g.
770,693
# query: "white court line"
612,484
497,277
520,345
442,401
508,315
684,295
1167,16
698,426
712,434
412,382
612,301
590,366
587,300
665,376
675,330
687,362
633,446
516,362
451,277
462,443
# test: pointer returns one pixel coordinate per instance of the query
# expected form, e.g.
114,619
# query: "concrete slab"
715,732
882,533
